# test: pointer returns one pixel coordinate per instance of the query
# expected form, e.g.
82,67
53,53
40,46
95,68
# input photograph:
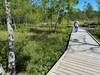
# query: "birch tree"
11,51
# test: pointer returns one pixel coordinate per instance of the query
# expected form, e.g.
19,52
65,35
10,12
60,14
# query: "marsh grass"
37,49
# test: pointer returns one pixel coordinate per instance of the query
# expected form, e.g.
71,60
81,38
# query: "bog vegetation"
96,32
42,31
37,49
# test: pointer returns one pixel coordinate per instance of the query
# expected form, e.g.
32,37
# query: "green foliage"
3,49
89,11
20,9
21,56
47,48
98,2
2,20
96,32
71,4
3,53
37,49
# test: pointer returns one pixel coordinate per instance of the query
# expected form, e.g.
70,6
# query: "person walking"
76,26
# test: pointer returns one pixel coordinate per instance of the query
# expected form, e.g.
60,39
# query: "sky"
82,2
37,2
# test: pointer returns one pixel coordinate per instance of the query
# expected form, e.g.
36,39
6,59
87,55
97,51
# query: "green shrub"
36,51
96,32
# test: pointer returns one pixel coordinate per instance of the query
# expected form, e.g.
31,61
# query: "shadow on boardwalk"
81,58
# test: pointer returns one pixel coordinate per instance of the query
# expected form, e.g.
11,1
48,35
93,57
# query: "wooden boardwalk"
81,58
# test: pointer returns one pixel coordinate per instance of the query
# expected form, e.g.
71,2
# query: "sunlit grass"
96,32
37,50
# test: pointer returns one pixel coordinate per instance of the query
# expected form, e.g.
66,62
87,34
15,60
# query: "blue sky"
82,2
37,2
80,5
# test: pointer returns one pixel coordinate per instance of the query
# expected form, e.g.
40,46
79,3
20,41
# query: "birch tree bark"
11,51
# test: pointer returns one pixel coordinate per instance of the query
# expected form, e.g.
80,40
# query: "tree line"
26,12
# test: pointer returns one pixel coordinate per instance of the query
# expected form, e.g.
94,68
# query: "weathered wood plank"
81,58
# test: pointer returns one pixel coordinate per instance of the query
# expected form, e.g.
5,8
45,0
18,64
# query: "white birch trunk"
11,51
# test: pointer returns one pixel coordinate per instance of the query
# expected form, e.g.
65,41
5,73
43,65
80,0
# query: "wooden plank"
82,59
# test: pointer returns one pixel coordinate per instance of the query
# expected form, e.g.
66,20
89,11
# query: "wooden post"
11,50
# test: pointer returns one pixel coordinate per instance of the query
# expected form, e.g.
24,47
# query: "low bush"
96,32
36,51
